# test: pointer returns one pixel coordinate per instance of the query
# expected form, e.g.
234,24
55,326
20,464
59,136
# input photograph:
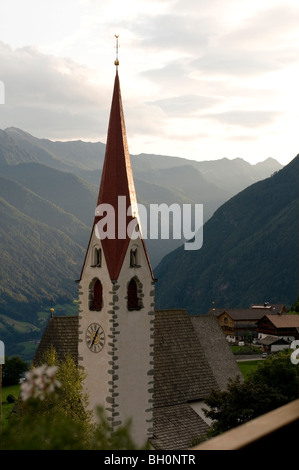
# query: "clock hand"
95,336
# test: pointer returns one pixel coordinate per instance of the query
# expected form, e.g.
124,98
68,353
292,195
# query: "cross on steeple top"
116,62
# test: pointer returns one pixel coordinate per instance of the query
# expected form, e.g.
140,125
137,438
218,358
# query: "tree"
12,370
295,307
240,403
52,413
274,383
278,372
56,432
69,399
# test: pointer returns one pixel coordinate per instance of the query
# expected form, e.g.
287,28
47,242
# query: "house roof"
255,311
241,313
269,340
284,321
273,308
216,348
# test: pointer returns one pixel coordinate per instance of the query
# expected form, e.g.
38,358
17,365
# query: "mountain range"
249,253
48,193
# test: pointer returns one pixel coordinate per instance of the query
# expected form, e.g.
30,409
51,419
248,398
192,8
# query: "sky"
199,79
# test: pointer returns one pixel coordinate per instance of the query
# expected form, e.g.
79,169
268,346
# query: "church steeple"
117,294
117,188
117,185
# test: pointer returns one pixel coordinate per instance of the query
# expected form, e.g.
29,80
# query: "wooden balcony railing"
271,431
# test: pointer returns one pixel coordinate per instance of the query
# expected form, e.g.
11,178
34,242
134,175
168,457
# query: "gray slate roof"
181,370
62,334
176,427
187,366
216,348
269,340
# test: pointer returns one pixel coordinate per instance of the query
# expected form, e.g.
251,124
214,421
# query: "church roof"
117,188
177,427
181,370
61,333
216,348
184,369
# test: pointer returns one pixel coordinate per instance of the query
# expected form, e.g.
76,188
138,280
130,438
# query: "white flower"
39,382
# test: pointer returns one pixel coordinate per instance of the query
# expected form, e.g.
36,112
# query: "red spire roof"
117,180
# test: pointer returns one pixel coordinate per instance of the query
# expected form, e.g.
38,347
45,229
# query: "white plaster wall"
130,389
278,347
198,407
135,343
95,364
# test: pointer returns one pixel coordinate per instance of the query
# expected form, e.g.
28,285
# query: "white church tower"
116,295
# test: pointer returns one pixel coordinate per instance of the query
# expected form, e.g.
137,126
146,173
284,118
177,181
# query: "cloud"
171,32
237,62
262,29
264,41
174,74
51,96
241,118
192,73
185,105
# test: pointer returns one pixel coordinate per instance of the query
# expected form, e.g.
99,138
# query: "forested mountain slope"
249,253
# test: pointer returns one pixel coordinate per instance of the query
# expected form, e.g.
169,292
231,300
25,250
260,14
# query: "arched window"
96,302
133,301
134,258
97,257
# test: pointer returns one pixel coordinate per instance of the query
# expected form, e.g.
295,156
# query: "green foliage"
13,368
44,432
61,421
43,262
105,437
246,367
240,403
70,400
35,431
294,309
11,398
248,349
8,407
273,383
278,372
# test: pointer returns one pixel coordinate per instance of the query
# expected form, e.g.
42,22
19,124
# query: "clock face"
95,337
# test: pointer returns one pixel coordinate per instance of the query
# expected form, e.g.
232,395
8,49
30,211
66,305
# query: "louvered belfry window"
133,301
97,299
